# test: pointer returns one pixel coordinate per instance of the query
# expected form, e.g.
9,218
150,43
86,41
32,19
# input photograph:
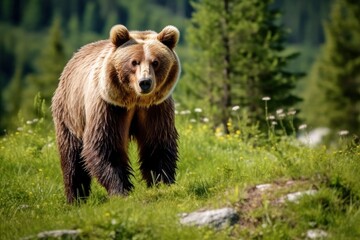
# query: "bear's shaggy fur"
110,91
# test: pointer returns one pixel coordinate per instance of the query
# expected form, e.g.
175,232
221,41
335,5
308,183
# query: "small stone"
294,197
290,182
263,187
316,233
218,218
24,206
59,234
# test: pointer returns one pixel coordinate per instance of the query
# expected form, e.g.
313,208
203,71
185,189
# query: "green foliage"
48,69
304,20
208,37
333,98
90,17
15,88
32,17
238,48
215,170
35,46
12,94
26,23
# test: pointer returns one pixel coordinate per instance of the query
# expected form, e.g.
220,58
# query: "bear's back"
75,80
86,58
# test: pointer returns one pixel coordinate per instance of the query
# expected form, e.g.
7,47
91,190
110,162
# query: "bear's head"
142,68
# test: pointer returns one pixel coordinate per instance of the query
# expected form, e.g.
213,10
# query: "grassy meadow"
215,170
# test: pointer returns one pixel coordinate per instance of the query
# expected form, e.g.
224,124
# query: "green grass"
214,171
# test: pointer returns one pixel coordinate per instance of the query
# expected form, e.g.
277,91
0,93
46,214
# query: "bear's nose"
145,85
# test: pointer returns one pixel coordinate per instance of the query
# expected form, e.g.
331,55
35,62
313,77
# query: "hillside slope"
215,171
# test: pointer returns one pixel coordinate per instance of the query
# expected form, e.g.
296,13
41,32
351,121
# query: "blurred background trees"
49,64
233,53
238,47
39,36
332,98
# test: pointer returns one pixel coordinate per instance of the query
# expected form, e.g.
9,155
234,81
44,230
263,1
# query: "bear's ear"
169,36
119,35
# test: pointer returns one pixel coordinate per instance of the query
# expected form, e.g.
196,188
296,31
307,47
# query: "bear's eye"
134,63
155,63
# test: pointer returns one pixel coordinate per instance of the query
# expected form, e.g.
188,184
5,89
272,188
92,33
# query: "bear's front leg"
157,138
105,148
158,162
76,178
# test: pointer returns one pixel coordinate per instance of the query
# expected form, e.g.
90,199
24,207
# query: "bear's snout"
145,85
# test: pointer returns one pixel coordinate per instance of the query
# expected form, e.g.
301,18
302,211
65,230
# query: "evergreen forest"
303,55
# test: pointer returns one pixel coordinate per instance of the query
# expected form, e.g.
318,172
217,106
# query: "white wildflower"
266,98
205,120
235,108
343,132
279,111
198,110
291,112
185,112
302,126
271,117
281,115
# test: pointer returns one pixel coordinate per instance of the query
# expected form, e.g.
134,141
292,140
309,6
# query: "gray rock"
263,187
316,233
294,197
218,218
60,234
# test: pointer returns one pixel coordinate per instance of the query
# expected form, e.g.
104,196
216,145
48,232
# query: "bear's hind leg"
76,179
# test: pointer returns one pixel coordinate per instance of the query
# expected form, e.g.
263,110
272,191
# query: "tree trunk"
226,98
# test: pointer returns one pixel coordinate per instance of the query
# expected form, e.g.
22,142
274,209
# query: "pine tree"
12,104
89,20
208,36
237,48
6,10
262,63
13,89
32,15
333,98
111,20
48,69
74,32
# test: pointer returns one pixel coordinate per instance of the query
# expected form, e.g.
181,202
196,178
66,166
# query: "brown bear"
110,92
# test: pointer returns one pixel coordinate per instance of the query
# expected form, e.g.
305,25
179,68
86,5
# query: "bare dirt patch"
275,194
